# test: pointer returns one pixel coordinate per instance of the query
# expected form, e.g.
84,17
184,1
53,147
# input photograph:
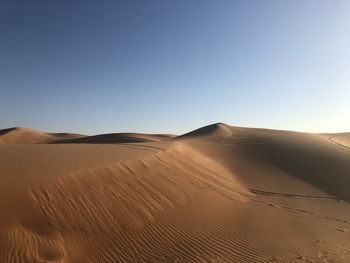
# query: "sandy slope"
342,139
217,194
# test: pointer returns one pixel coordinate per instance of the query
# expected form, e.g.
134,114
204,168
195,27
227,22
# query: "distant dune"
119,138
19,135
214,131
217,194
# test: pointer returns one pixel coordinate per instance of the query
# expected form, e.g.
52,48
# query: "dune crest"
130,194
213,131
342,139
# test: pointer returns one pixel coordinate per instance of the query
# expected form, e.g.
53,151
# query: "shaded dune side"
282,161
306,157
4,131
119,138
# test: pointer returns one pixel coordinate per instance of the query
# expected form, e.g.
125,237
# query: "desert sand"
217,194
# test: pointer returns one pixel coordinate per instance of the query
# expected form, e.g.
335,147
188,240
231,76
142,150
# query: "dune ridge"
214,131
342,139
151,186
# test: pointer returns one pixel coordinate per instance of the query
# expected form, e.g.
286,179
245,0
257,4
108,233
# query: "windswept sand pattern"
186,234
128,195
18,244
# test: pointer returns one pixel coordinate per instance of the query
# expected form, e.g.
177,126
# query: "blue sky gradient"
173,66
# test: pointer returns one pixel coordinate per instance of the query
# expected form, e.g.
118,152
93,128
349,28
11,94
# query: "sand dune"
18,135
210,132
119,138
217,194
299,162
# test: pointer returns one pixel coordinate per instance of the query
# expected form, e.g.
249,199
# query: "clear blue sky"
173,66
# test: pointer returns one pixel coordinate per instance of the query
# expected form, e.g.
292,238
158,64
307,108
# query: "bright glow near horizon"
173,66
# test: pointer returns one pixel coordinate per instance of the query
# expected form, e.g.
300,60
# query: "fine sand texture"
217,194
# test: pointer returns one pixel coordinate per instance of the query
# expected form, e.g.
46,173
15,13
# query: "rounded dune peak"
21,135
217,130
12,129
